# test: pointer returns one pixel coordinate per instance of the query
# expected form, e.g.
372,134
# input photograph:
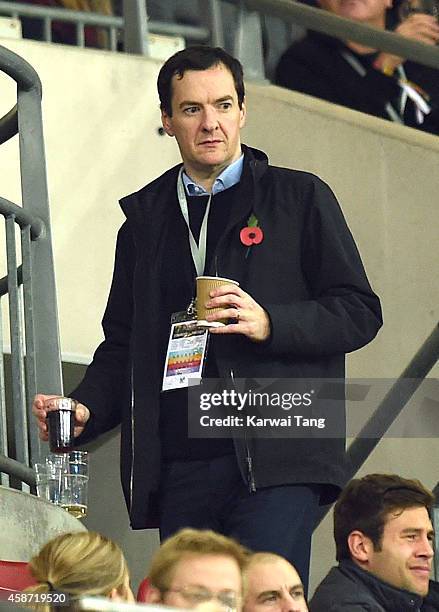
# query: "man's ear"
360,546
243,113
167,123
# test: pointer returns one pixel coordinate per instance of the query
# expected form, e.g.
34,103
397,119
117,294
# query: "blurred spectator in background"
361,78
78,564
272,584
63,31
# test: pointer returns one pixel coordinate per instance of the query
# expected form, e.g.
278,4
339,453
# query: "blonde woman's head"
81,563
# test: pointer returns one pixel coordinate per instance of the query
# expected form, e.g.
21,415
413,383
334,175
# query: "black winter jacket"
306,273
348,588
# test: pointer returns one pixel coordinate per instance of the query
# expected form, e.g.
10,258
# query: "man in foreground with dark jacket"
302,303
384,542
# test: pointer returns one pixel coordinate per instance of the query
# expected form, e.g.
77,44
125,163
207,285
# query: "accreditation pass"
185,354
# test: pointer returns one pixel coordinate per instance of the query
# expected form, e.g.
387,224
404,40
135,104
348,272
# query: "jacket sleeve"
342,313
104,384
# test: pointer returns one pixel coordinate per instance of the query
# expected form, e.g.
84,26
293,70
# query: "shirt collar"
228,177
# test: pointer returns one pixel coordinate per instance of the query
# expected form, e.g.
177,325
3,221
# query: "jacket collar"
163,186
431,601
389,597
148,208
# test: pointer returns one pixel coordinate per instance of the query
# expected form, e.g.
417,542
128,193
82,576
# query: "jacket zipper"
132,438
250,475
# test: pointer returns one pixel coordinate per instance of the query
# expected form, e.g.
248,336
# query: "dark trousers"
212,495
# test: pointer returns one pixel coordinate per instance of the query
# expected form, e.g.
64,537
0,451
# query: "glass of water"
48,478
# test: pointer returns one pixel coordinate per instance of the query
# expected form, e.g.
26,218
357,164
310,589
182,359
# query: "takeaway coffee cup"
205,284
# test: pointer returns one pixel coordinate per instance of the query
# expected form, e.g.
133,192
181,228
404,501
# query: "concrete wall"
27,523
101,119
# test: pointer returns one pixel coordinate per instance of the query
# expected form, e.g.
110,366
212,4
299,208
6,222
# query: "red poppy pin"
252,234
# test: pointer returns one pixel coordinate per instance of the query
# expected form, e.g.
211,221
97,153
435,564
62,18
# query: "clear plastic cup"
74,486
48,481
62,479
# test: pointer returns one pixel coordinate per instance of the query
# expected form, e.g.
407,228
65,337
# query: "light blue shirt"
228,177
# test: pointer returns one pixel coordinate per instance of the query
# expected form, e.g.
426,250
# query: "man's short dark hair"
365,504
197,57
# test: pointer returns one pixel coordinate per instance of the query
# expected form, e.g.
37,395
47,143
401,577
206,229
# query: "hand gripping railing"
35,352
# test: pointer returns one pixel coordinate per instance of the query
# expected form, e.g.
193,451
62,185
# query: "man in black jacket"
361,78
384,543
303,301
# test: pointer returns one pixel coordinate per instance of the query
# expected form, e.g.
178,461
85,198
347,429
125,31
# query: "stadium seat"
14,576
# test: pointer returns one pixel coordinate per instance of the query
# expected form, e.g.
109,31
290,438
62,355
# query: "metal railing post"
21,439
136,27
211,17
39,272
42,355
248,43
4,478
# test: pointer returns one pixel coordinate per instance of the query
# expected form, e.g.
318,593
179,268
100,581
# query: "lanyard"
198,251
361,70
421,106
407,91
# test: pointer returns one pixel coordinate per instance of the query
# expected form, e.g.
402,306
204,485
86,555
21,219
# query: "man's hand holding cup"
43,404
234,309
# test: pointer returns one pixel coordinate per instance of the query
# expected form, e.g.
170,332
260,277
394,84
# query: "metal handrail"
4,282
390,407
19,70
288,10
394,401
22,217
196,33
17,470
346,29
110,22
31,287
9,125
61,14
